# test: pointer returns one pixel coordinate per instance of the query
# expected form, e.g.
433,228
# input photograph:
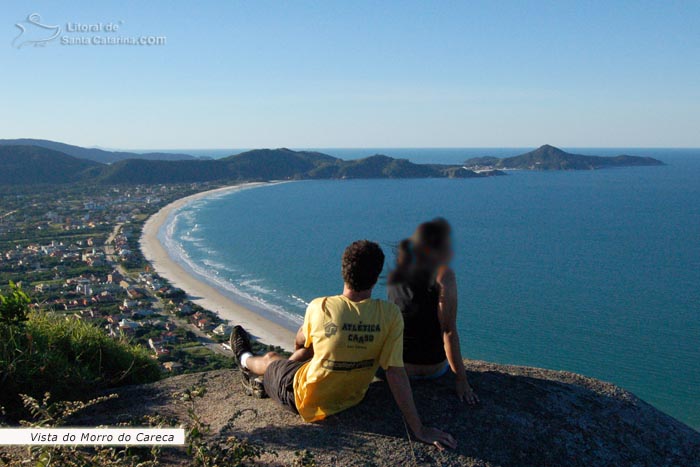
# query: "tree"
14,306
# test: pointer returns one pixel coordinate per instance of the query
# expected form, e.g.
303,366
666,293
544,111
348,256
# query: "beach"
201,293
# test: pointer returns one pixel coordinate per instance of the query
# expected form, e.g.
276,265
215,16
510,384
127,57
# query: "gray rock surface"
527,417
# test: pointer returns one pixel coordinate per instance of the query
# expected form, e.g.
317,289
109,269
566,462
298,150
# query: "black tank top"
418,298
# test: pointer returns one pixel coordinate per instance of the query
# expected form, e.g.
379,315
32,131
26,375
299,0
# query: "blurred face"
440,257
445,256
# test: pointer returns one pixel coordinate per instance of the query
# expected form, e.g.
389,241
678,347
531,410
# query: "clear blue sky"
359,74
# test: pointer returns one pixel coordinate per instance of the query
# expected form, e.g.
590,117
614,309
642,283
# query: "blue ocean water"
596,272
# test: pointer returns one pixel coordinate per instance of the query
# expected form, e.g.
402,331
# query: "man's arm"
300,339
301,352
447,314
401,390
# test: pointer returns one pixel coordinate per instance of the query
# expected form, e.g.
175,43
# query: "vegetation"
202,447
224,450
47,414
31,164
93,154
70,357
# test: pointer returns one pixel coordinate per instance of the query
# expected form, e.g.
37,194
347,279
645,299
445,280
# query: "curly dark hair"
363,261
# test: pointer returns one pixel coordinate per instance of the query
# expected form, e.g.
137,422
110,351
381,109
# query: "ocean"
595,272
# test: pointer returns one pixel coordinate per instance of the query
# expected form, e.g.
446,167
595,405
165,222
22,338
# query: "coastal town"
75,252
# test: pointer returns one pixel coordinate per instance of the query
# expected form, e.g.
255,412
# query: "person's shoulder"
315,305
330,301
445,275
389,308
318,301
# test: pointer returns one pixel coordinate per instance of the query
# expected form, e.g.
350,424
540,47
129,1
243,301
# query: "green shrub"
66,356
14,306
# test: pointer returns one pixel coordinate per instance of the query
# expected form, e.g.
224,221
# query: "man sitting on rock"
343,341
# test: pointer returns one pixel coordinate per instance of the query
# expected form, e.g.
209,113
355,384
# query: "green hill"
26,165
275,164
93,154
139,171
21,164
32,164
379,166
550,158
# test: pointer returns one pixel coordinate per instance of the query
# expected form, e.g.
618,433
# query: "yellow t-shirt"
351,340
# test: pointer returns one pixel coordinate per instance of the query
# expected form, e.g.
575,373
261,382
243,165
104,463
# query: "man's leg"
243,353
258,365
279,372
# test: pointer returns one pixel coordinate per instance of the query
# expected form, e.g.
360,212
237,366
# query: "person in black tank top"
424,287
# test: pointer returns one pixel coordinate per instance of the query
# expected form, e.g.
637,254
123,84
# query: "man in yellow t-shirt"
343,341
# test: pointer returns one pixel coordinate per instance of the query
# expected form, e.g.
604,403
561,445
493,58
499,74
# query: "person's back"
350,341
424,287
418,299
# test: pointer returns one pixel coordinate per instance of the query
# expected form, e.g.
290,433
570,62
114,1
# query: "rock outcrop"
527,417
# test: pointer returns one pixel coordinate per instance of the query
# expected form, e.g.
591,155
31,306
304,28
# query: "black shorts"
279,382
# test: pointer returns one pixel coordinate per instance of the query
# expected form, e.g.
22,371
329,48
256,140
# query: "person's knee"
271,357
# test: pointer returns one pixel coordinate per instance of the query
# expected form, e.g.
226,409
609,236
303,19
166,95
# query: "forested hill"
550,158
32,164
94,154
26,164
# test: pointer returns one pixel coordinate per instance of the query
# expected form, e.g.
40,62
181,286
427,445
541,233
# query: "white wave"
300,300
248,290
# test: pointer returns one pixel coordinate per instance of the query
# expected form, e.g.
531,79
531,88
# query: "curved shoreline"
199,292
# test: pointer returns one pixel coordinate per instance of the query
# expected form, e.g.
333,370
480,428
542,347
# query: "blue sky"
358,74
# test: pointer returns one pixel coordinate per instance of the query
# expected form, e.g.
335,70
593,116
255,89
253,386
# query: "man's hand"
438,438
401,389
465,393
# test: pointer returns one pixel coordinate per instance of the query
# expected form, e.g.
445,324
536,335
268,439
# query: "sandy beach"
201,293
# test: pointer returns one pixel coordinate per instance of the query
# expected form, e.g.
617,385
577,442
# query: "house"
127,324
45,287
158,347
134,293
114,277
222,330
172,366
83,287
104,297
143,312
185,309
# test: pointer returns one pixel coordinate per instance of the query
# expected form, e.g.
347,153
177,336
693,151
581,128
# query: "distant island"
550,158
49,162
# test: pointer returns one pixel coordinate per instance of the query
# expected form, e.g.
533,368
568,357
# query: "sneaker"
240,344
258,388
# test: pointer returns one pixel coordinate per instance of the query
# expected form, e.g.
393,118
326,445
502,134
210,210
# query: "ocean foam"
248,291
